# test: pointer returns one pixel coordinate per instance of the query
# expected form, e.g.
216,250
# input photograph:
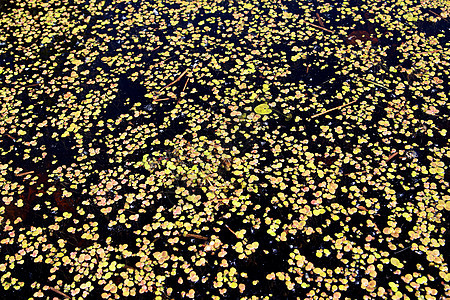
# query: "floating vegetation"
217,149
263,109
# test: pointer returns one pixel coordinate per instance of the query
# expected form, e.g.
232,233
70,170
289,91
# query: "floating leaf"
396,262
263,109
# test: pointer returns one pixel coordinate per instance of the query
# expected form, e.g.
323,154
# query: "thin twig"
319,19
320,27
332,109
25,173
231,230
373,82
185,85
195,236
31,85
402,250
154,240
438,15
176,80
58,292
391,156
162,99
161,62
11,137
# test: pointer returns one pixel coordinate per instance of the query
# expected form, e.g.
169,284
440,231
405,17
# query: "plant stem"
332,109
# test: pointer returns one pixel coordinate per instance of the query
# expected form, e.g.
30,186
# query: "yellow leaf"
45,40
396,262
263,109
112,266
421,280
239,248
171,166
72,127
240,234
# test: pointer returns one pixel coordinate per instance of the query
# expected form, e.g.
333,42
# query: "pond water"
136,160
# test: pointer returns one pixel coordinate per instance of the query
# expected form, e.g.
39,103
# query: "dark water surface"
341,191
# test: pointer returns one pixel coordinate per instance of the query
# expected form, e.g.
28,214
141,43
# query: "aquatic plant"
216,149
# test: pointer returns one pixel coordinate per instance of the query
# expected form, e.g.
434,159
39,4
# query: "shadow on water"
128,94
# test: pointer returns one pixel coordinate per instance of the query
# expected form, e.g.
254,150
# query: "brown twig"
319,19
373,82
231,230
185,85
391,156
319,27
161,62
332,109
438,15
195,236
176,80
154,240
24,173
31,85
10,136
362,208
58,292
162,99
